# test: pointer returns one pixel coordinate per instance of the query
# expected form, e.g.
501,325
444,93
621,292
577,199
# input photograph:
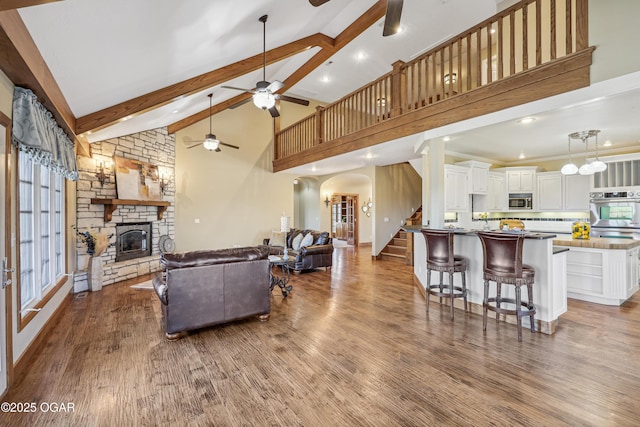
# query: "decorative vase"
285,255
95,273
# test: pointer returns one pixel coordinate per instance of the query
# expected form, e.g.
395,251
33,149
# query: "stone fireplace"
134,250
133,240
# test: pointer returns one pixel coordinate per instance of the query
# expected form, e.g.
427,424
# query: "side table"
279,274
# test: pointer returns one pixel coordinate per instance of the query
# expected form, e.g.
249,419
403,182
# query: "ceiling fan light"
569,169
598,166
264,100
210,143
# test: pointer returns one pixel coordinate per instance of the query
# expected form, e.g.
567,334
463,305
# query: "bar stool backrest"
439,246
502,253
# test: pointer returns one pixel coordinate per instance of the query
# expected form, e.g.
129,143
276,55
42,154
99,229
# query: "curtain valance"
35,132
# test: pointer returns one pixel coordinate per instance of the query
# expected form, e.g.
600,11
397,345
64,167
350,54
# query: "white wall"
234,193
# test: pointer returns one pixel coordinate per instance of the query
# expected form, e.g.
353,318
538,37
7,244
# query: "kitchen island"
601,270
549,289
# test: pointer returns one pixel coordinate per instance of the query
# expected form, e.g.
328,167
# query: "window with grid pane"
42,256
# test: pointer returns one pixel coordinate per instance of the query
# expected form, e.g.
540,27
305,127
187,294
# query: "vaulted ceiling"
125,66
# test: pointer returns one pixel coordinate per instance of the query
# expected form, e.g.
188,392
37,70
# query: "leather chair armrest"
160,287
316,249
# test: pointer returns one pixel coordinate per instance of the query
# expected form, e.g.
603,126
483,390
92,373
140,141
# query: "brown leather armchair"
204,288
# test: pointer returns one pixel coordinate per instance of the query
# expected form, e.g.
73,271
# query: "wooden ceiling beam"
17,4
21,61
161,97
367,19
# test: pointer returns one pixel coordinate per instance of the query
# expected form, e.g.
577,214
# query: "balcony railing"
516,40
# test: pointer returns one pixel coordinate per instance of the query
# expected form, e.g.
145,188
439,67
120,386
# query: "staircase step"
401,234
392,257
396,250
397,241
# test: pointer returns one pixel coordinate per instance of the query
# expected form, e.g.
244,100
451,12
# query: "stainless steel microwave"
520,201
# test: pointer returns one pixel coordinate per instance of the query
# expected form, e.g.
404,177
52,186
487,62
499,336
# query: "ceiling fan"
264,95
210,142
391,21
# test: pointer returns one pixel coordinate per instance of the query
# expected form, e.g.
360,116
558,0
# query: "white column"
435,186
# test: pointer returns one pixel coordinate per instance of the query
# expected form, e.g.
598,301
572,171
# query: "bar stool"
503,265
440,258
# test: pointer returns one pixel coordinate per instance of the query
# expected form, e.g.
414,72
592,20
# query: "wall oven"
615,214
520,201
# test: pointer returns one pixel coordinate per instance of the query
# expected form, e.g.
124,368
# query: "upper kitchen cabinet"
456,188
478,176
622,172
521,180
557,192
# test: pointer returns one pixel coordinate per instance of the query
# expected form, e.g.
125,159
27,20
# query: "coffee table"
280,274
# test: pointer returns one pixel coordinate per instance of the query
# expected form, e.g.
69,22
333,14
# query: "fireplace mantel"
110,205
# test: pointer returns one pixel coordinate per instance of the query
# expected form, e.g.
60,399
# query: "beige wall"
234,193
397,194
613,29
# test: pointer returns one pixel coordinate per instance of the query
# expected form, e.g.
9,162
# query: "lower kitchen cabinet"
604,276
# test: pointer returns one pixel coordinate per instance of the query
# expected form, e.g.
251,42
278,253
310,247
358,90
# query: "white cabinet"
456,188
496,196
549,194
478,176
604,276
521,180
576,192
557,192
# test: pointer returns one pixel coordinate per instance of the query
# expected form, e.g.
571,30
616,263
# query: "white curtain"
35,132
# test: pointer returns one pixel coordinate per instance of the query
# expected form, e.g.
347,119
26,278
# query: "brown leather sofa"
318,254
204,288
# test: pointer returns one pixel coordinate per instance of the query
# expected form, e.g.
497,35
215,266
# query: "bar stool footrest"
530,310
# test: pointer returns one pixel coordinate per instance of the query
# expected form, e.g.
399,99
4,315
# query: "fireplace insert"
133,240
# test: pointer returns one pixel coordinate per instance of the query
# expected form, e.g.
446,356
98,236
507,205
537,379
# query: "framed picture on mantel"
136,180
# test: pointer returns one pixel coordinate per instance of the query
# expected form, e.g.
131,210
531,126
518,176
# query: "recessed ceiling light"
174,112
360,56
313,168
369,156
527,120
522,156
325,79
446,139
400,29
607,144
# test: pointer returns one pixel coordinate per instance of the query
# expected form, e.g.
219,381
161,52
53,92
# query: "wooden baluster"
554,30
538,32
582,24
525,37
569,35
512,43
469,69
478,59
397,88
499,32
459,65
489,55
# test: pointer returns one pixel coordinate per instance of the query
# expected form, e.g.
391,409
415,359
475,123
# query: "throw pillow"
277,238
307,240
295,245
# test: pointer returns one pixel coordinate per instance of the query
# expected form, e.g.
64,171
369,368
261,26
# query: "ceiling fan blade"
238,88
275,86
292,99
238,104
229,145
392,19
193,146
274,112
217,150
317,3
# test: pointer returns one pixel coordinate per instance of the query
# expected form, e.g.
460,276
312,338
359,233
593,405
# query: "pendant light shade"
264,100
589,167
569,169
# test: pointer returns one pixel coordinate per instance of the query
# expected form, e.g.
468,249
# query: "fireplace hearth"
133,240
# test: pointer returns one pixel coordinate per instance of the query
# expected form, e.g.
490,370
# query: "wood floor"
352,346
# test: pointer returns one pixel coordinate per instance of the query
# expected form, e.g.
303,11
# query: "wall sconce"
163,183
102,177
366,208
450,78
326,200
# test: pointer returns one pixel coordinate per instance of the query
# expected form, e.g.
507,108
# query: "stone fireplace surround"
154,146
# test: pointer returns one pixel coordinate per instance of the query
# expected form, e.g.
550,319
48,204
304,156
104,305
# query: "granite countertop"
469,232
597,243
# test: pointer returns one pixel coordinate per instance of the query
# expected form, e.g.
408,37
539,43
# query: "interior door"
4,250
352,226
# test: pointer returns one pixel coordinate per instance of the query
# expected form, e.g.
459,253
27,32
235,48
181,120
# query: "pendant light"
211,143
570,168
598,165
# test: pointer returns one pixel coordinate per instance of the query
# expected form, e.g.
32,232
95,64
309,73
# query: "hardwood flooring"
351,346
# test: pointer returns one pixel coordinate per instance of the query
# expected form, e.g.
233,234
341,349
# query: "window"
42,240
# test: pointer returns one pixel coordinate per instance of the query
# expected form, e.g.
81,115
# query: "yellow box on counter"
580,230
